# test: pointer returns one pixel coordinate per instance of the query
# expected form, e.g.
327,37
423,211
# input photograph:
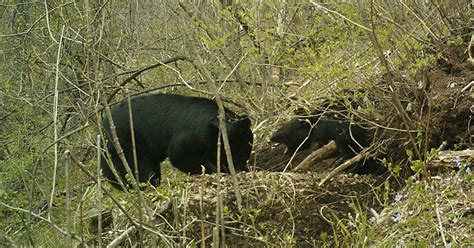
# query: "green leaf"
409,153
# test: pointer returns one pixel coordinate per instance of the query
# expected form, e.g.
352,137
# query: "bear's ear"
215,122
244,121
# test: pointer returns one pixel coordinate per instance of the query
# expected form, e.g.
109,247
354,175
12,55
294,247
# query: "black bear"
329,122
183,128
303,131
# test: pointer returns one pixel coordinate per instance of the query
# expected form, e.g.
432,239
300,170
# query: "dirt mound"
453,107
278,208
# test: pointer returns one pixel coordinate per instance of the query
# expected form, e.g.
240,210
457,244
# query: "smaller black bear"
183,128
304,131
328,122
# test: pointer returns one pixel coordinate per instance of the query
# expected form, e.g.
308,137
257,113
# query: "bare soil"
453,109
277,208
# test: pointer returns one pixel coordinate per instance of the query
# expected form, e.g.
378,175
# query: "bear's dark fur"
302,132
329,122
183,128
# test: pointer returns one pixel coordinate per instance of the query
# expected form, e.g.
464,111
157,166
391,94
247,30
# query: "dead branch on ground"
320,154
359,157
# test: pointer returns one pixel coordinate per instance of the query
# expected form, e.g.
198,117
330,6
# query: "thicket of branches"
63,62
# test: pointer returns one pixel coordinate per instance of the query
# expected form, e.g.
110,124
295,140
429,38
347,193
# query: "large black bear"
183,128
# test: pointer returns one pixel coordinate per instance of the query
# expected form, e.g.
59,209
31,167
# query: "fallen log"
451,159
320,154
